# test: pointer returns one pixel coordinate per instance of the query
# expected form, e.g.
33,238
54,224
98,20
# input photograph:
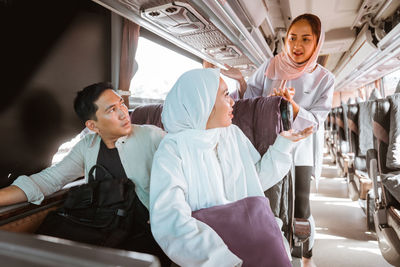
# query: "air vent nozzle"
178,18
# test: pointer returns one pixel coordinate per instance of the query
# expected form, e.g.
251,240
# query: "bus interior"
52,49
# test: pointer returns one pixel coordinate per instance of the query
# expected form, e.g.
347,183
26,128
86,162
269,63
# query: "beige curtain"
130,37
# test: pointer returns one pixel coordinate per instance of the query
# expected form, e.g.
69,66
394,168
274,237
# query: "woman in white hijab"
206,161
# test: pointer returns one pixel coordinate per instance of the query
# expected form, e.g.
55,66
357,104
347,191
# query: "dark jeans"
302,198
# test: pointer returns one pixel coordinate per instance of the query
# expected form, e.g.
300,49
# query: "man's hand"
11,195
295,136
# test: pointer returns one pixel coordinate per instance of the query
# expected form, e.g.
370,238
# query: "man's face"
113,119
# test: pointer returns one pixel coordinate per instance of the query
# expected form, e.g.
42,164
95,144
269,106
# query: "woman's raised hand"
286,93
232,72
295,136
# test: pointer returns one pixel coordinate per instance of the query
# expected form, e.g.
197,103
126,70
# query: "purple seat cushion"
250,231
148,114
260,120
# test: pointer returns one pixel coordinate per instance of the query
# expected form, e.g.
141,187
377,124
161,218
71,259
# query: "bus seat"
335,129
365,141
365,118
360,136
393,153
342,141
253,116
330,134
391,182
147,114
385,182
249,115
375,94
352,118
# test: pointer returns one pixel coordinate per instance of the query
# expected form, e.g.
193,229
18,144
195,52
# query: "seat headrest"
375,94
397,88
359,99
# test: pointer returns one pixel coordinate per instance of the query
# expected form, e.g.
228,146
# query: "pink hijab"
282,67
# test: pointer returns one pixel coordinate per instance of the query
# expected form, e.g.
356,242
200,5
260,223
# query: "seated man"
124,149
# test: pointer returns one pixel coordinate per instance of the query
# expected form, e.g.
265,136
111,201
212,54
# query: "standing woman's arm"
253,87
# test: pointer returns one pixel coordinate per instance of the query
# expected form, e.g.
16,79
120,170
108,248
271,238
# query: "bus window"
390,82
157,70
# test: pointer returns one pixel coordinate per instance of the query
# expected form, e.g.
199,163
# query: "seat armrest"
301,230
301,233
373,173
17,211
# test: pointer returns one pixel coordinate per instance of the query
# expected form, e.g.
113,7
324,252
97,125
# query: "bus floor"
342,237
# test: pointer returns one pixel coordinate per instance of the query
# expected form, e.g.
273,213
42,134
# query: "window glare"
158,70
390,82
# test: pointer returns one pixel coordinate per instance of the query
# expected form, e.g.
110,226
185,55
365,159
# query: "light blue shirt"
136,152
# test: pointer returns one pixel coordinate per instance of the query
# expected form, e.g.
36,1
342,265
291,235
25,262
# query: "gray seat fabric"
345,124
352,120
381,132
360,163
393,153
375,94
365,117
351,101
397,88
392,184
359,99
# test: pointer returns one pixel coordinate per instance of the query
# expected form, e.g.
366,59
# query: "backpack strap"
107,174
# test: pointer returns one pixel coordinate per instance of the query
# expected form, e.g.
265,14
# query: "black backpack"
102,212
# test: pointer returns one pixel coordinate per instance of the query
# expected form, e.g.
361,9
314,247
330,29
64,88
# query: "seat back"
148,114
261,119
342,122
366,111
393,153
352,120
381,126
334,125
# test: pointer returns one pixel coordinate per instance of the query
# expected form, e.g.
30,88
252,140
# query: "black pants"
302,198
145,243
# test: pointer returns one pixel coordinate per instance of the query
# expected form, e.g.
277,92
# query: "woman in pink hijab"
295,75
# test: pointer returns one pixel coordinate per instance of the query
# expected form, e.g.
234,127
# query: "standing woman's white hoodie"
195,168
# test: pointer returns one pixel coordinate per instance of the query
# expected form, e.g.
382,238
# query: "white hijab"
187,108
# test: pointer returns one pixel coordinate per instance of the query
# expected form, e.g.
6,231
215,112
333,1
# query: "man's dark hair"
84,104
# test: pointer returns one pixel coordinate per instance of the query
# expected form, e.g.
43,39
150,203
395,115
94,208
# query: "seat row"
364,140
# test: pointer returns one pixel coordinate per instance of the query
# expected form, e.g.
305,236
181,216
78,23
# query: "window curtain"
130,37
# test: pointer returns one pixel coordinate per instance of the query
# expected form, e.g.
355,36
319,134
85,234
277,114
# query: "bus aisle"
342,237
